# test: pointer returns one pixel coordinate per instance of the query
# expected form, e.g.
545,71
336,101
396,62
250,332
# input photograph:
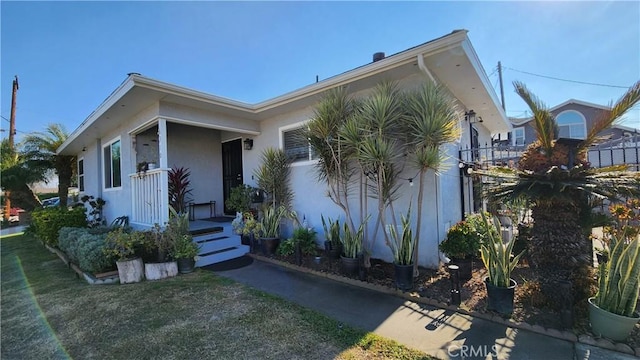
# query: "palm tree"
17,173
431,122
555,177
41,147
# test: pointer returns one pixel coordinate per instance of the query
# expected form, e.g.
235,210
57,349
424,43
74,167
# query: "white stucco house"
153,121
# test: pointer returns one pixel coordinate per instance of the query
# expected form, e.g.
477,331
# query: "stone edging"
113,279
555,333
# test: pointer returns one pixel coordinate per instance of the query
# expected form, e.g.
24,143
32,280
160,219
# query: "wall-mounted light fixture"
248,144
84,148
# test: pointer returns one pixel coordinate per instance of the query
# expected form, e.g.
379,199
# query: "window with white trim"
296,145
571,124
112,166
518,136
81,174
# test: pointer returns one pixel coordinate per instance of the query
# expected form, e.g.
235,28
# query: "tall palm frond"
545,124
608,118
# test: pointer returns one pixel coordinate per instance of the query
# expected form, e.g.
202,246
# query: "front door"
231,168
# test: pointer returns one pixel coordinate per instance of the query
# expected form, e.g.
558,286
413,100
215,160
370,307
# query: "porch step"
208,230
217,243
221,255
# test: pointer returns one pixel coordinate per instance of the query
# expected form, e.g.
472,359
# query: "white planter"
130,271
157,271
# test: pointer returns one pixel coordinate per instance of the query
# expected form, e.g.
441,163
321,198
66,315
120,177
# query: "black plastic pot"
332,251
465,267
185,265
404,276
245,240
350,265
269,245
500,299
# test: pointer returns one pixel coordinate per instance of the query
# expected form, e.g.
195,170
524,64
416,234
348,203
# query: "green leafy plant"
497,257
269,226
46,223
185,248
462,241
251,226
94,213
352,241
331,230
304,237
402,244
240,198
179,188
121,244
273,176
619,278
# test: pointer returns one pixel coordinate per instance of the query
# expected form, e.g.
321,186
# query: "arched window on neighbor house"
571,124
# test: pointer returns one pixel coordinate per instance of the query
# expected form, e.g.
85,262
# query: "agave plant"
619,278
497,256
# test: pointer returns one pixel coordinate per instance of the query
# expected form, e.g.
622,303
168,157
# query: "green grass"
47,312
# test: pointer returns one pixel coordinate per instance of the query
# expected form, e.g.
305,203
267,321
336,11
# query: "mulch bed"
529,304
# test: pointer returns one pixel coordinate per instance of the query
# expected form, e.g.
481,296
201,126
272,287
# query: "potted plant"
303,242
121,245
185,251
497,258
269,228
612,312
164,239
352,248
332,243
240,198
402,249
460,246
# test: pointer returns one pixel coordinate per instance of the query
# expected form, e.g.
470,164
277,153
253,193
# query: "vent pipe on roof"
378,56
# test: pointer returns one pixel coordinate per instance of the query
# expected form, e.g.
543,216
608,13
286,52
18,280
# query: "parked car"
54,201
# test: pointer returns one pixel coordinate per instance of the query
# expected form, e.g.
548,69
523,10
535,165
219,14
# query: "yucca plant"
273,176
619,278
402,245
497,257
331,230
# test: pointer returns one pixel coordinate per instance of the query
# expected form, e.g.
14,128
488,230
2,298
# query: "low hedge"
46,223
85,247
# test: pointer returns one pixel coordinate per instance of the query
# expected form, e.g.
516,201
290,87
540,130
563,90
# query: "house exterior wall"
198,150
310,201
201,117
118,200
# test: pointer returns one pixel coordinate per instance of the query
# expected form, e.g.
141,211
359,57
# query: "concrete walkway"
440,333
12,230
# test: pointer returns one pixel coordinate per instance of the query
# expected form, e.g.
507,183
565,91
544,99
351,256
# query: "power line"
566,80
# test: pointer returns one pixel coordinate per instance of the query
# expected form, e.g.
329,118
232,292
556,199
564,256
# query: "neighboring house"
221,140
574,118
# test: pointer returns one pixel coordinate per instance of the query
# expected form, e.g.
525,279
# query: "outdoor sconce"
248,144
470,115
466,169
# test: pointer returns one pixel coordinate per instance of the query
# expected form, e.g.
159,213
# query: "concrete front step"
217,243
221,255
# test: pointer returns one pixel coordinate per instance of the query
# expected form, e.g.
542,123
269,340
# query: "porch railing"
150,199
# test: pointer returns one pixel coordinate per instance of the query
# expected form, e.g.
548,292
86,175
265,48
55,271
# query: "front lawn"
49,313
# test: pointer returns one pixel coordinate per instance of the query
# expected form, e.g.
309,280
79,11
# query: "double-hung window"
518,136
112,166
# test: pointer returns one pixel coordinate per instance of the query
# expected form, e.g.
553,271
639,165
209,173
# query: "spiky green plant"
273,176
352,241
497,257
331,230
619,278
402,245
269,226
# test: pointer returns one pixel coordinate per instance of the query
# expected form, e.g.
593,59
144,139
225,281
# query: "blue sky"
69,56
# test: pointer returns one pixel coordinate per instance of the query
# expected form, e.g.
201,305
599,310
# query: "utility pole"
501,86
12,133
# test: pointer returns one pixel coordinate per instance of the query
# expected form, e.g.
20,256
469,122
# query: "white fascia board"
580,102
181,91
116,95
477,66
373,68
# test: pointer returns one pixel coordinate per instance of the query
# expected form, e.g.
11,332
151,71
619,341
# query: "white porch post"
164,178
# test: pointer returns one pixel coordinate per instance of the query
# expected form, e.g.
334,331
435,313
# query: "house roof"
520,121
450,60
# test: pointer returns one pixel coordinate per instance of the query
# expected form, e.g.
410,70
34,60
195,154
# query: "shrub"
121,244
480,228
46,223
305,237
462,241
91,255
